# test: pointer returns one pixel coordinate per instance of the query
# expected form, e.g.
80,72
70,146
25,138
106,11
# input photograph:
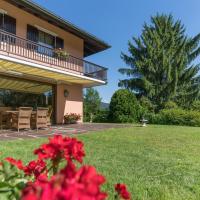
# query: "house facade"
42,59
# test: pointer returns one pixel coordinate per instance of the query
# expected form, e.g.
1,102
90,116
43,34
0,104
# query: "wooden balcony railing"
16,46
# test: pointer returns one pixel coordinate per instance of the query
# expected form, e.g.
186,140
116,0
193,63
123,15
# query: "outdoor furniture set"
25,118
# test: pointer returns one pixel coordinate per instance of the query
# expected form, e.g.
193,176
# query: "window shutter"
9,24
32,33
59,43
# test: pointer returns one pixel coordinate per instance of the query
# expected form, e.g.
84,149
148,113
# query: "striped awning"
53,75
23,85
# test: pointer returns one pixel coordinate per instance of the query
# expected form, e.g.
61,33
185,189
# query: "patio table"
10,112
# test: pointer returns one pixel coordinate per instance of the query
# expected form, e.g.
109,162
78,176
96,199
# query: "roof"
92,44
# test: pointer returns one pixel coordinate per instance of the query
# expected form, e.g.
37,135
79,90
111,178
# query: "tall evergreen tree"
160,63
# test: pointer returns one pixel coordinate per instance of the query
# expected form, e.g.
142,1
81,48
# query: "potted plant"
71,118
60,53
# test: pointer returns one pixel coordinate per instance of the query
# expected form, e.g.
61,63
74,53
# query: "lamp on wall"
66,93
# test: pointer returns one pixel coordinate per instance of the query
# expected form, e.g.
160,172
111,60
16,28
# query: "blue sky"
116,21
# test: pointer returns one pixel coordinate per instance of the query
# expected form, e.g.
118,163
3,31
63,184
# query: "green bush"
101,116
176,117
145,107
124,107
146,104
170,105
196,106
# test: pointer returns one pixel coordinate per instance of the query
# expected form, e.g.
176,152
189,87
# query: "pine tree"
160,63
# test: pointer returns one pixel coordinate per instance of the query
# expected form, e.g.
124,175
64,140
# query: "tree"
160,63
123,106
92,103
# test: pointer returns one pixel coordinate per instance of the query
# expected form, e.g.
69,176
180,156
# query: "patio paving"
72,129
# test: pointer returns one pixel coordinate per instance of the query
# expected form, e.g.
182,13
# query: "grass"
156,162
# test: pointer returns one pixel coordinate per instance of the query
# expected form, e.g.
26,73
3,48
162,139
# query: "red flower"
59,147
122,191
35,168
37,190
17,163
69,184
74,149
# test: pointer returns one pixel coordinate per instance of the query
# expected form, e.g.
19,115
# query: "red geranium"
122,191
69,184
74,149
17,163
61,147
35,168
49,182
37,190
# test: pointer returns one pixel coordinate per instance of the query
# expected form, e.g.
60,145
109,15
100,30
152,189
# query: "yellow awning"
23,85
7,66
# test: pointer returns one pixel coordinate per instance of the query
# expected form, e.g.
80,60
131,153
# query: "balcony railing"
16,46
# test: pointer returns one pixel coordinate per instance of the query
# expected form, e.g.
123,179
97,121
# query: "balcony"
16,47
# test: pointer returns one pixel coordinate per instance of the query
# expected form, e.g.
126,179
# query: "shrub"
176,117
101,116
196,106
54,175
72,118
123,107
170,105
145,107
146,104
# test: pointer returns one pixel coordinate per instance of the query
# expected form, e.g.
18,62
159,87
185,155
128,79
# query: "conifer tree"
160,63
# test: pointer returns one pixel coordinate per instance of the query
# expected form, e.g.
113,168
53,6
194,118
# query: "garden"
156,162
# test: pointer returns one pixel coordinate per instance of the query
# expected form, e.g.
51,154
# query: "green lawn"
156,162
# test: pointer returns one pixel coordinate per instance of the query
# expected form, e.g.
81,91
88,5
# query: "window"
32,33
59,43
8,23
47,41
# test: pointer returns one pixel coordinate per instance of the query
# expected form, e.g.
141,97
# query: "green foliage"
91,104
161,64
176,117
170,105
146,103
12,181
195,106
145,107
17,99
123,107
101,116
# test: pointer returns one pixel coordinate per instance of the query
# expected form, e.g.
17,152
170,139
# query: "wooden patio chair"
39,120
5,119
49,114
21,118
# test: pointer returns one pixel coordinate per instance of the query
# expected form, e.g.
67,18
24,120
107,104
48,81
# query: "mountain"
104,106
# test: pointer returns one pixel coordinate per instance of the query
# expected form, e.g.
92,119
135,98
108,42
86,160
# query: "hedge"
176,117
